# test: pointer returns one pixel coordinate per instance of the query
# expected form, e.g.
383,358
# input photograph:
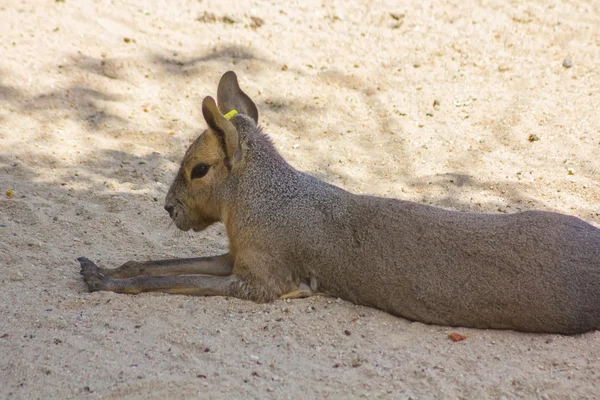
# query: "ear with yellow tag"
231,97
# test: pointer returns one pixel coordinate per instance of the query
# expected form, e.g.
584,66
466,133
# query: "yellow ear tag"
230,114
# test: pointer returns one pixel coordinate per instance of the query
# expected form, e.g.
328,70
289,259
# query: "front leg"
217,265
98,279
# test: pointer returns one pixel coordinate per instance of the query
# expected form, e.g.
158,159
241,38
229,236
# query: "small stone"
347,332
284,67
357,362
257,22
567,63
456,337
571,171
207,17
228,20
188,305
127,40
533,137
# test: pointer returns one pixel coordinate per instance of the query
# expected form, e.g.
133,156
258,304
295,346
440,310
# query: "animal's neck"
266,178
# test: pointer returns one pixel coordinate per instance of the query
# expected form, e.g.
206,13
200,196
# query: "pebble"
567,63
188,305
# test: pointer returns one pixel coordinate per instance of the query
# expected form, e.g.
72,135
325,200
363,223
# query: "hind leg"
304,290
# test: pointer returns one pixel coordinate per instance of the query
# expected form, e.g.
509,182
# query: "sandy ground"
455,103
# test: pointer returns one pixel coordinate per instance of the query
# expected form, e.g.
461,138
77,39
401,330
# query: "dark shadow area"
80,100
90,64
454,185
278,106
126,168
384,131
7,92
186,66
83,103
506,196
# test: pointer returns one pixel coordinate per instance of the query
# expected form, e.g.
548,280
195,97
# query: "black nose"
169,210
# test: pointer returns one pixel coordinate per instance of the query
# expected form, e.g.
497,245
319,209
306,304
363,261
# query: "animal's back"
531,271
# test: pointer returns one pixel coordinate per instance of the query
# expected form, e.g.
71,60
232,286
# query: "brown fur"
291,235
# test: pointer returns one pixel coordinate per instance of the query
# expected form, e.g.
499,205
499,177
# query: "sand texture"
487,106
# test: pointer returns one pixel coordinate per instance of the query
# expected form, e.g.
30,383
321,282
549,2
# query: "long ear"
231,97
223,129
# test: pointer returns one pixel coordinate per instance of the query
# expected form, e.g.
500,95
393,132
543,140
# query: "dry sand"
455,103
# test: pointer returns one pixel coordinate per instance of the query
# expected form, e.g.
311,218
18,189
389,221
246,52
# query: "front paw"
94,276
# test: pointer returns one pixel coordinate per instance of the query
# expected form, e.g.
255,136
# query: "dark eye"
199,171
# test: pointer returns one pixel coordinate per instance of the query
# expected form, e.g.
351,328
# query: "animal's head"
195,198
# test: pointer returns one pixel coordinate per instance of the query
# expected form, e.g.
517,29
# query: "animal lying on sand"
292,235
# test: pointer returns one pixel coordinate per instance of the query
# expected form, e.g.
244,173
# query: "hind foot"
303,291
